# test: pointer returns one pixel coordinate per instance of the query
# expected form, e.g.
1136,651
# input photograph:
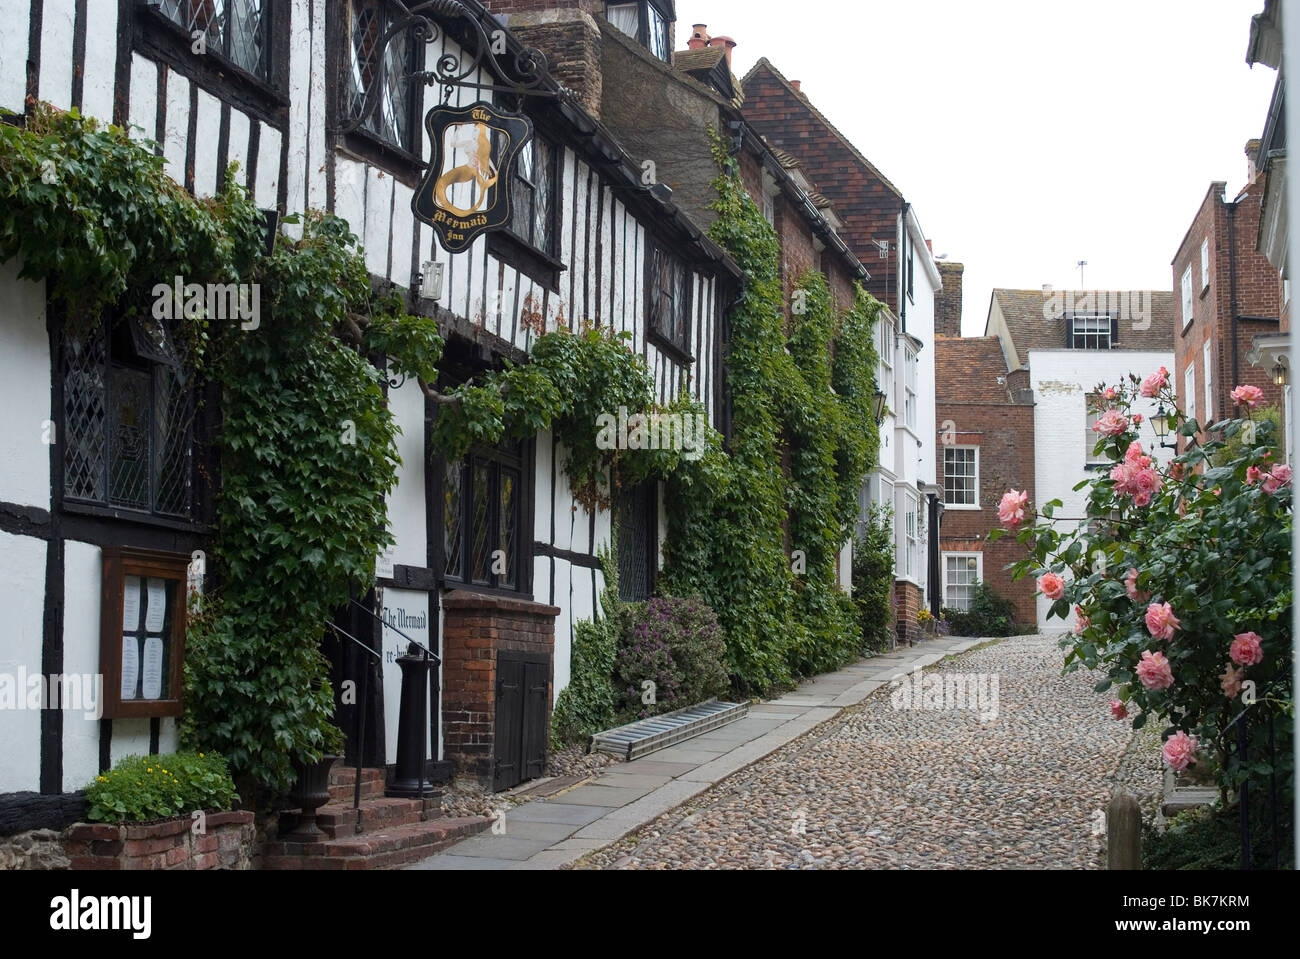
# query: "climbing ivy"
802,395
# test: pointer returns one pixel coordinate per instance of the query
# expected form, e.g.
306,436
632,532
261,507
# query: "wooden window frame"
120,562
679,351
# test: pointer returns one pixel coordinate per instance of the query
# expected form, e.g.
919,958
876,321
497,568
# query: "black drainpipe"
1232,287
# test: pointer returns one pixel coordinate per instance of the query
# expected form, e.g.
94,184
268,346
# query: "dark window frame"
541,264
666,13
649,489
158,37
679,348
1080,340
113,333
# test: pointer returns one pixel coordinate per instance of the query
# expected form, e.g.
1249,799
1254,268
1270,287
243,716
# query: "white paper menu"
154,615
131,604
130,666
153,661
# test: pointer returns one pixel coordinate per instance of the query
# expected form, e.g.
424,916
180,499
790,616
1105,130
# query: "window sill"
534,263
1098,466
450,583
667,346
374,149
132,516
967,508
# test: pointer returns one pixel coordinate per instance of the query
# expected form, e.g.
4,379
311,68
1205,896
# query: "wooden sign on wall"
466,190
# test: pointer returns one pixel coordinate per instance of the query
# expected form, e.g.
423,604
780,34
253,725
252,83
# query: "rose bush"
1180,577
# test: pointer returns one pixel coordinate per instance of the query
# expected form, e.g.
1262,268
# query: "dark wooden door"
507,745
536,700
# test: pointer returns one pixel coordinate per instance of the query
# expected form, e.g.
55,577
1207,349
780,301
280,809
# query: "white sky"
1028,134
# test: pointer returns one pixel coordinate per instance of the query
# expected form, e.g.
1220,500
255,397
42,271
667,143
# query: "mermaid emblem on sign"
474,151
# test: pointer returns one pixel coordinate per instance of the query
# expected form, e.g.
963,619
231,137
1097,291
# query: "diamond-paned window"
128,420
638,531
237,29
668,290
532,195
392,119
482,516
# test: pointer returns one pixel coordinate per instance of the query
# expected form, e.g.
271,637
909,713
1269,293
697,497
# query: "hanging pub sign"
466,190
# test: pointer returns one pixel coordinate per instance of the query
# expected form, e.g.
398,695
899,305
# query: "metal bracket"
529,65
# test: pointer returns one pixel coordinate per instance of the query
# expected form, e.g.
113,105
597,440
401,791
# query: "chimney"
723,41
947,302
699,37
1252,160
929,245
795,84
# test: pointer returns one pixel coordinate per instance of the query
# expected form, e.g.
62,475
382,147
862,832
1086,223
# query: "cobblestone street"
880,787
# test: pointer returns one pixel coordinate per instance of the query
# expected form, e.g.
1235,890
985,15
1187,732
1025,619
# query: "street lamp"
1162,423
880,406
1279,373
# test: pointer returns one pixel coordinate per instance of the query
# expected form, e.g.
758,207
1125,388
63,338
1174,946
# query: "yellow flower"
200,755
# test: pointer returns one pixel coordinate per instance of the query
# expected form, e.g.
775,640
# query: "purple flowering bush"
676,644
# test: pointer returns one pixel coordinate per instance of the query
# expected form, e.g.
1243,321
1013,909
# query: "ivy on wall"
806,399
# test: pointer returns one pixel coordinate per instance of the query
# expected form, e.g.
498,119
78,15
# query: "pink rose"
1154,671
1111,423
1052,586
1248,396
1277,477
1135,456
1178,470
1161,620
1146,481
1081,621
1230,681
1137,419
1141,499
1110,393
1130,586
1246,650
1154,383
1123,474
1011,511
1118,710
1252,475
1180,751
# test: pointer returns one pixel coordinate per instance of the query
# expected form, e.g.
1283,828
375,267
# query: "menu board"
142,631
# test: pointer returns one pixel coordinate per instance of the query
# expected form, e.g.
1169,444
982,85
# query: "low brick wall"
228,842
476,627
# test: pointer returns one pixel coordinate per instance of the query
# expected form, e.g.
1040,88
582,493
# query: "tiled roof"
765,64
966,370
704,59
1036,319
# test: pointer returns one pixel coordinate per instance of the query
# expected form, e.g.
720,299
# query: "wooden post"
1123,832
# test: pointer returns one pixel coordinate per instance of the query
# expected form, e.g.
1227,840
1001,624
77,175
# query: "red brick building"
986,429
1226,294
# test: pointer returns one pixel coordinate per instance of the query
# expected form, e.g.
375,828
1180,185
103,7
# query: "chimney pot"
795,84
1252,160
699,37
723,41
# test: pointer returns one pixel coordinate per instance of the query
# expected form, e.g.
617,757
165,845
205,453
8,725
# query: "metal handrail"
361,720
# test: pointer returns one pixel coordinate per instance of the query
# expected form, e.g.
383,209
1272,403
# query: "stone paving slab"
446,860
559,812
654,767
551,832
630,780
604,795
487,846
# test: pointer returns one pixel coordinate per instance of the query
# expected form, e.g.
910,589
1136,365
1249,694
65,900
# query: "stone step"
338,819
387,849
342,782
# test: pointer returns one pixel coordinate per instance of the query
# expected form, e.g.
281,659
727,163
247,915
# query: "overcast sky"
1028,134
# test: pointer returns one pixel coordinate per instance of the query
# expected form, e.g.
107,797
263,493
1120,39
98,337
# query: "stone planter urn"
310,791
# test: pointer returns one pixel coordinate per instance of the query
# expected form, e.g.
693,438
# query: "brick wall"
908,600
947,302
1257,294
228,842
565,31
476,627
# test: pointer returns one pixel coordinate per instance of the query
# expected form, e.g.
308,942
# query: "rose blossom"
1178,470
1011,511
1118,710
1245,649
1230,681
1135,456
1154,671
1111,423
1277,477
1248,396
1130,586
1052,586
1252,475
1145,484
1154,383
1161,620
1110,393
1123,474
1081,620
1180,750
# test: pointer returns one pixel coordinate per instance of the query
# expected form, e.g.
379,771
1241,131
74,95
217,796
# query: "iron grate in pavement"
646,736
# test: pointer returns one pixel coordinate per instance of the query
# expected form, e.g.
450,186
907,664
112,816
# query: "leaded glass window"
638,532
128,419
482,513
668,289
237,29
532,195
392,118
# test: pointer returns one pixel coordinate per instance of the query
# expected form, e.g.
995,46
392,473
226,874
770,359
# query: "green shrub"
1209,838
141,788
586,705
677,644
873,580
990,614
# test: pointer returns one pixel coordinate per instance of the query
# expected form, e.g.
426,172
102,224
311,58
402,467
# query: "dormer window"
649,22
1091,331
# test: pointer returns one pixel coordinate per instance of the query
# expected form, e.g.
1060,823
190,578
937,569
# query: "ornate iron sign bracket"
529,64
